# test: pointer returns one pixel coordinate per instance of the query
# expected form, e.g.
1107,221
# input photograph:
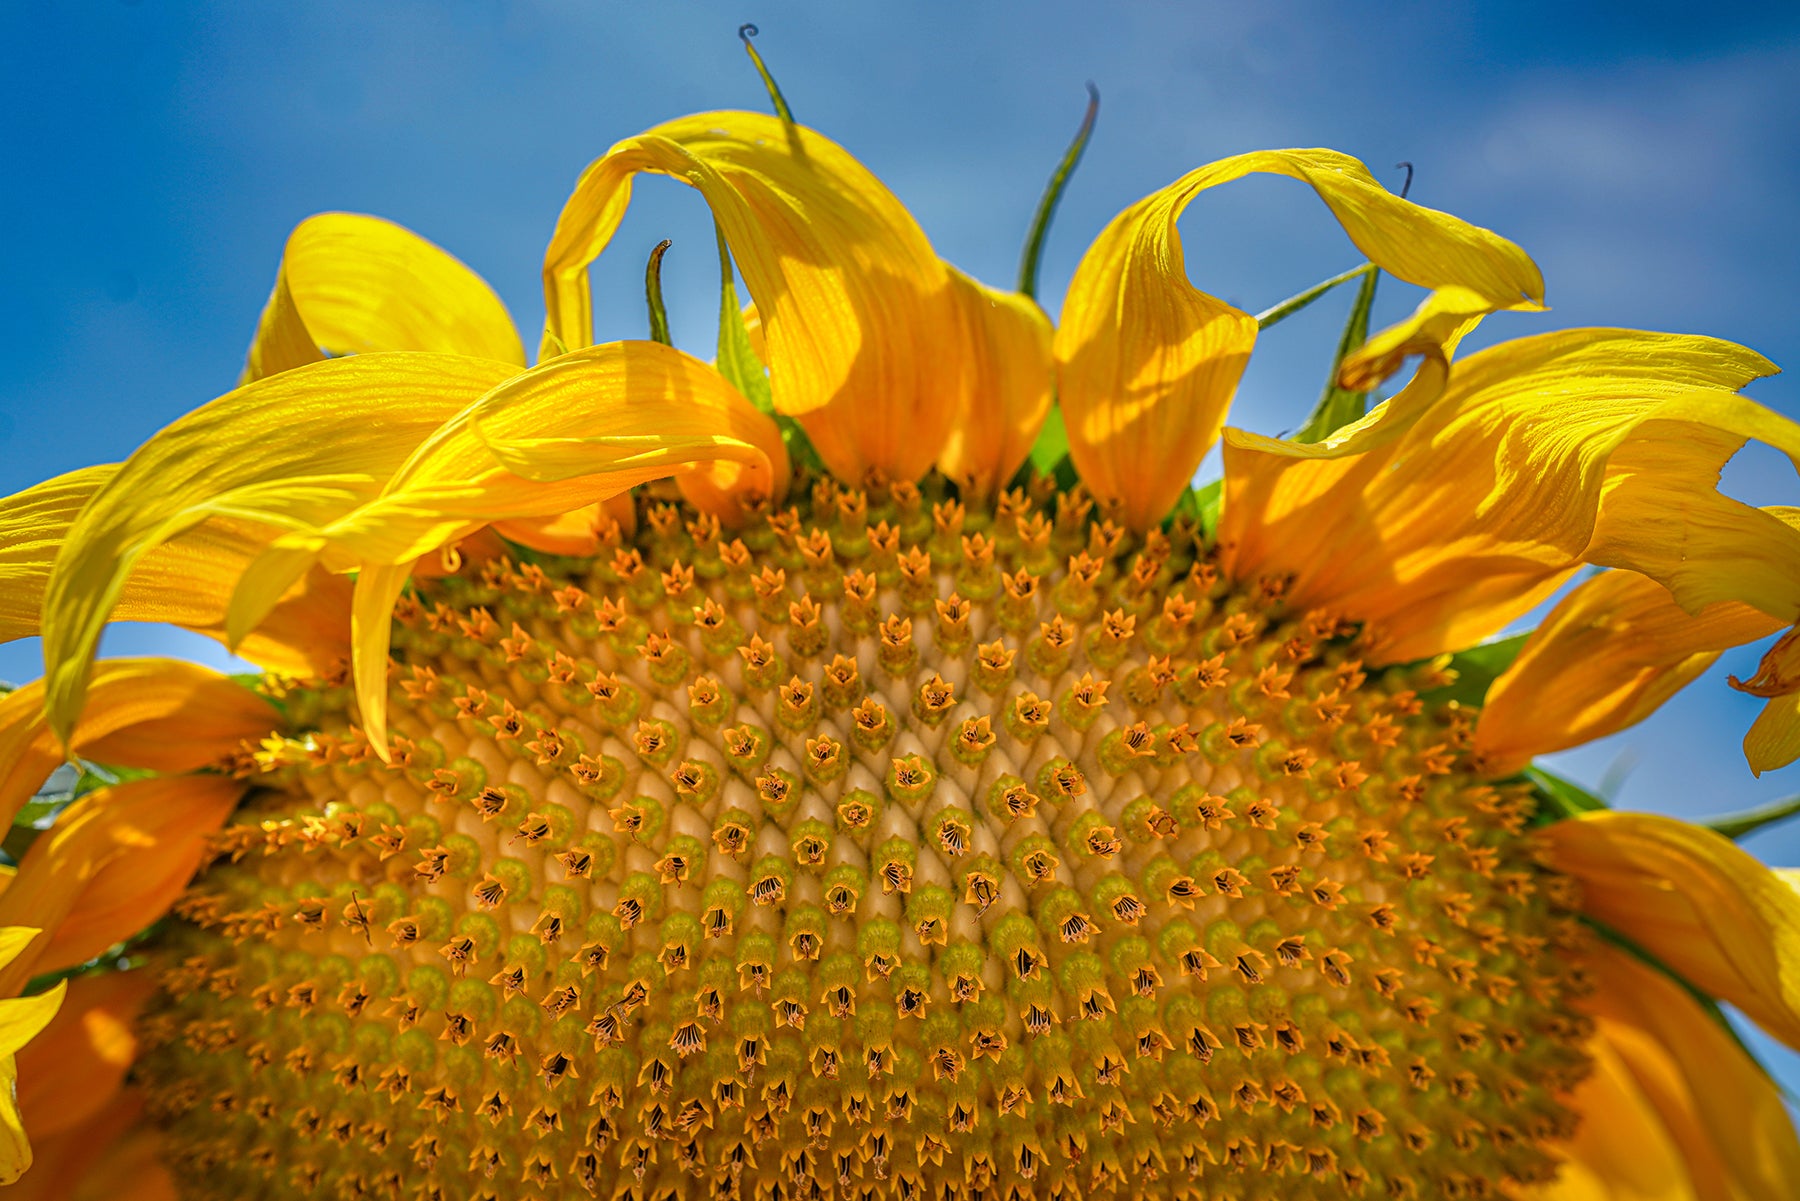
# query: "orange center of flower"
884,849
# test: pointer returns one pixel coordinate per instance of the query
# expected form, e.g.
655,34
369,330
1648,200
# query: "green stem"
659,316
1294,304
1748,821
746,32
1033,255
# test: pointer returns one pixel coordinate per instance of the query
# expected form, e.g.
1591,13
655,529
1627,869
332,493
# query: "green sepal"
1476,670
1050,453
1748,821
1559,798
737,362
1338,407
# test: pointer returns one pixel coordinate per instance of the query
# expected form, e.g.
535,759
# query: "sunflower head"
864,765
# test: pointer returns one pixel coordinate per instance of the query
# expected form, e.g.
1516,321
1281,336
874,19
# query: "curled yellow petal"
75,1068
1692,898
1481,508
293,450
184,582
1007,385
114,862
1147,363
574,431
1721,1111
1432,332
160,714
1606,657
580,428
861,335
351,284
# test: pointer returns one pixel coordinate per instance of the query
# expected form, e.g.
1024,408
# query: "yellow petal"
103,1159
1726,1116
1433,332
351,284
162,714
1008,386
1147,363
33,524
75,1068
1485,504
113,863
1661,514
1707,909
1606,657
1774,737
297,449
1621,1151
578,532
580,428
20,1021
21,1018
184,582
371,624
860,332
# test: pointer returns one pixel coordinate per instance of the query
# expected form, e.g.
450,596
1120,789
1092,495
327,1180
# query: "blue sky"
156,154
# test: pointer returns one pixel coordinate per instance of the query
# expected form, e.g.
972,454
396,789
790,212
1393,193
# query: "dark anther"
1404,188
748,31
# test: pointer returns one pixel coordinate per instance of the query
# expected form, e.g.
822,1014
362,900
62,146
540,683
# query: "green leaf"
1559,798
1338,407
1477,668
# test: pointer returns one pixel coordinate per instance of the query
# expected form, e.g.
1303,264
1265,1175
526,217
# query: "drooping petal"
1622,1150
296,449
862,336
1726,1116
580,428
1432,332
114,862
1008,386
1695,900
21,1020
1482,508
184,582
1147,363
576,430
75,1068
1606,657
351,284
160,714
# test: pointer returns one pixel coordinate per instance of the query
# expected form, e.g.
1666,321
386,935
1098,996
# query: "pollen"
890,847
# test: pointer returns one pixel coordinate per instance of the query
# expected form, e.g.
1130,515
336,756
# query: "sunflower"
864,766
